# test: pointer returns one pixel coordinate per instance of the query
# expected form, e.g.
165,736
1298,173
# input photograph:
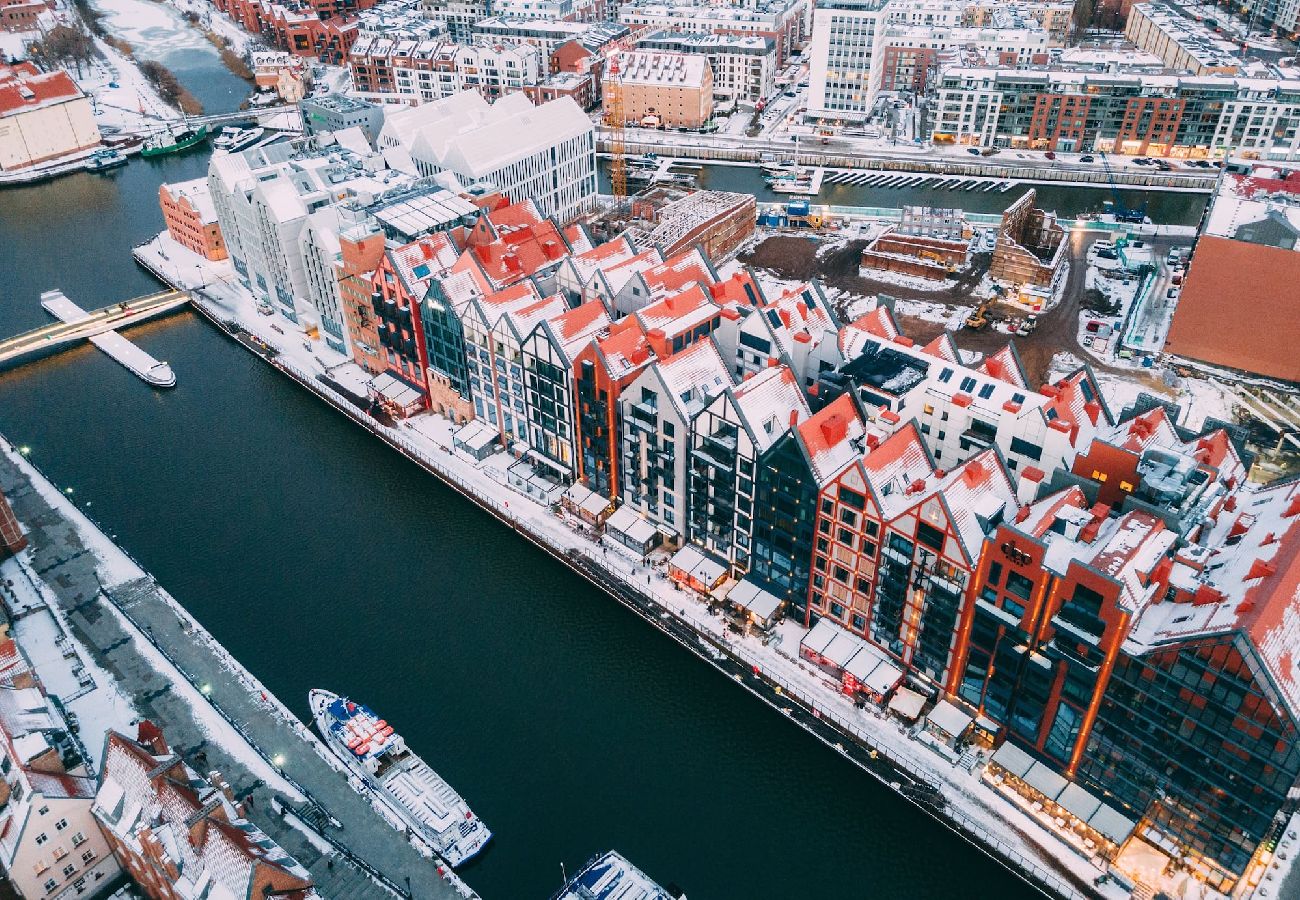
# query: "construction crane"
616,122
1122,212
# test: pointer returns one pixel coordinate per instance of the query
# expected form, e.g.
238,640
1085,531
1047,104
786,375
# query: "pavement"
61,557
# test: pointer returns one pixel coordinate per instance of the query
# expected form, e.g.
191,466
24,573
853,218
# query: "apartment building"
44,116
328,113
847,58
263,200
191,219
658,410
51,847
388,70
546,35
1179,42
460,15
323,29
743,66
784,22
672,90
550,353
603,370
1130,113
546,153
912,54
728,441
183,836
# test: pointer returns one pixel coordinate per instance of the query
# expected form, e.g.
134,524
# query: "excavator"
979,320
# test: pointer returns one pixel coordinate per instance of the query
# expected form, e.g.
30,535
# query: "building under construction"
1031,253
929,243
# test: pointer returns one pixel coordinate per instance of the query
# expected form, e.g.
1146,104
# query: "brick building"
191,218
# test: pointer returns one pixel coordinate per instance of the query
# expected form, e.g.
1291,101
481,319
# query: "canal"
322,559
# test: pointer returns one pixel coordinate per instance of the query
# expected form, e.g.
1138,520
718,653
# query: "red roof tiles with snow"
679,272
21,91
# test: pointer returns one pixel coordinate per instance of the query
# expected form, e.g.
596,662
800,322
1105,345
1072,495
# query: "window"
929,536
836,610
1019,585
78,839
42,838
61,824
44,809
87,856
50,884
68,870
1126,487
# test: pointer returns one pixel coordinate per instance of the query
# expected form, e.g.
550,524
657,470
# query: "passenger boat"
103,160
611,876
174,141
427,804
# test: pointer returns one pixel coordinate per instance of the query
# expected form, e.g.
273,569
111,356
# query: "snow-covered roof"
694,376
770,404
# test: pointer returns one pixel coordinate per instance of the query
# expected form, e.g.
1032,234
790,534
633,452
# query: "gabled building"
495,327
442,314
728,442
514,242
679,319
797,328
648,284
550,353
602,369
658,411
182,836
50,846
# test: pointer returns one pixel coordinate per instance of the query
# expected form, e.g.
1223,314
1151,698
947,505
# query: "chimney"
151,736
1031,479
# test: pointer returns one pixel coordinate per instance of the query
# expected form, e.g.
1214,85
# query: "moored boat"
611,876
103,160
174,141
373,751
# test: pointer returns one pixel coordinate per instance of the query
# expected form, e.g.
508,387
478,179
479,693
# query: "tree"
64,44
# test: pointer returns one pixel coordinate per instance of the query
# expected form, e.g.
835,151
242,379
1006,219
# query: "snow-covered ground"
210,18
116,568
977,804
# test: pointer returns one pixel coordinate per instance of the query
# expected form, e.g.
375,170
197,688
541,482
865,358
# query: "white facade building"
545,153
744,67
848,39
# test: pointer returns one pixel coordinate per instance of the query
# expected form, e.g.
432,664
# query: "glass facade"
785,507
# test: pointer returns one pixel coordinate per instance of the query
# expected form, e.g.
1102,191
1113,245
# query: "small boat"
170,141
370,749
611,876
103,160
233,138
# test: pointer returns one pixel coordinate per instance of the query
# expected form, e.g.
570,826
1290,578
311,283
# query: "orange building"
191,218
674,90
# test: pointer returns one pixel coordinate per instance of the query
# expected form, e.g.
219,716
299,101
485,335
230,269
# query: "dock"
100,327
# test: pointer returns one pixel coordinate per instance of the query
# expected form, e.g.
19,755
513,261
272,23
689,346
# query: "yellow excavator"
979,320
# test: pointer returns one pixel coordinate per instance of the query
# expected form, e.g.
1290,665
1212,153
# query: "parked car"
973,151
1178,278
1085,158
1107,254
989,151
1172,293
1093,326
1049,155
1087,340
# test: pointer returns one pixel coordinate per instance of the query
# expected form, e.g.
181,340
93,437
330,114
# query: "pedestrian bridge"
61,335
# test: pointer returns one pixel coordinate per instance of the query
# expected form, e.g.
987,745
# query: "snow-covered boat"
233,138
369,747
611,876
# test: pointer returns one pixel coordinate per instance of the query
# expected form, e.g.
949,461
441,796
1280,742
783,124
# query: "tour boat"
611,876
233,138
427,804
174,141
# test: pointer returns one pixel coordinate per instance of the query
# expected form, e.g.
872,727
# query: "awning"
948,718
628,523
841,650
1078,802
1111,824
1013,759
750,597
1045,781
475,436
587,500
822,634
394,391
883,678
863,663
907,703
699,566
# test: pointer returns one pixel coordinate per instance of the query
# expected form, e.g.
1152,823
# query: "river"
321,558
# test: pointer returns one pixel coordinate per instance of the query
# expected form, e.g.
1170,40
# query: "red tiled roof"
1257,280
679,272
41,89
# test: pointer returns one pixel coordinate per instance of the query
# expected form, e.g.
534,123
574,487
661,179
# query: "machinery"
1121,211
616,122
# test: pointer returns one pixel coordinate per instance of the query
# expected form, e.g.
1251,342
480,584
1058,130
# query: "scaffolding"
616,122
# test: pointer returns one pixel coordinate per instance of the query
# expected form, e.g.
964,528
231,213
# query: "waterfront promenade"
215,713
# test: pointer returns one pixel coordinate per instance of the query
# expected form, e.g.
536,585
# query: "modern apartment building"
784,22
1128,113
388,70
846,58
1180,42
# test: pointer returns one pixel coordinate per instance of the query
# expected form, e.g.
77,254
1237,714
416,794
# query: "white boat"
791,185
611,876
233,138
428,805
